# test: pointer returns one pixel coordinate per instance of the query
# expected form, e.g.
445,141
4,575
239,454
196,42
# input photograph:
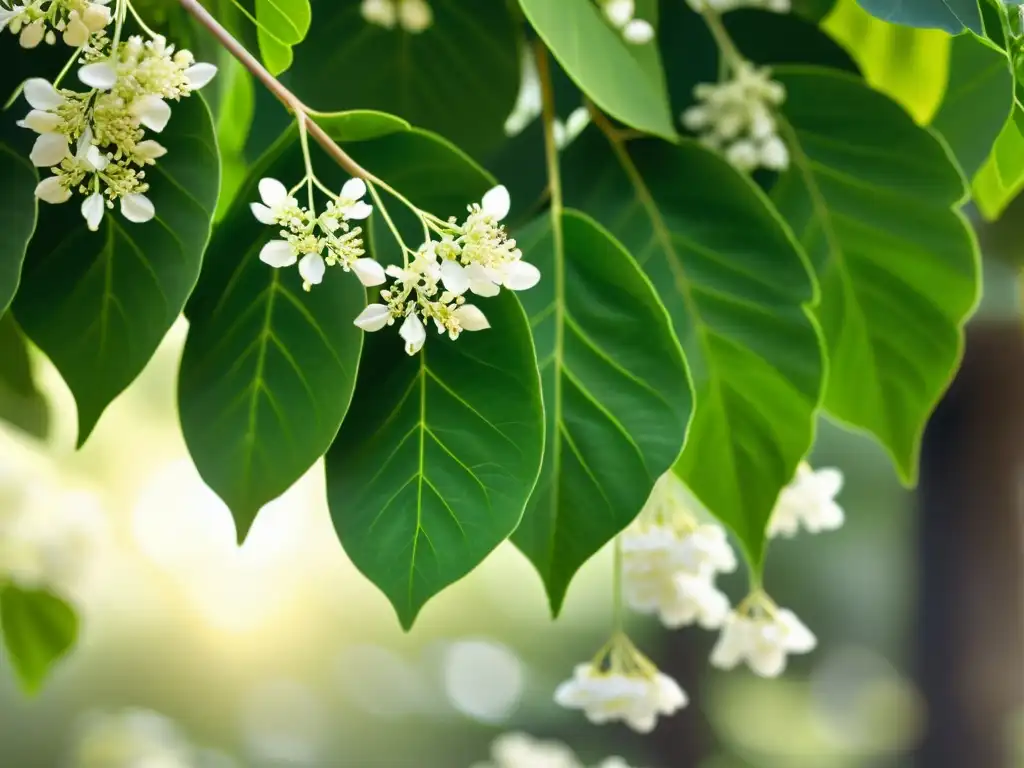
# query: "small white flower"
415,16
369,272
518,750
374,317
96,16
497,202
152,111
808,500
277,204
761,635
51,190
278,254
414,334
619,12
637,699
383,13
471,318
76,32
774,154
32,34
101,75
49,149
638,32
137,208
93,208
312,268
350,201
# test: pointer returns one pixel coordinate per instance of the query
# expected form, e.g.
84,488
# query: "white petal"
200,74
272,192
454,277
312,268
95,159
32,35
471,318
263,214
76,33
137,208
149,149
92,210
799,639
50,190
100,75
353,189
732,644
767,660
96,16
373,318
521,276
497,202
41,122
619,12
278,253
49,150
414,333
358,211
153,112
40,94
638,32
369,272
415,15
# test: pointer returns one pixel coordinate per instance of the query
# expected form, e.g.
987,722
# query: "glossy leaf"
268,369
99,303
871,195
17,218
1001,178
280,25
736,287
440,451
459,77
952,16
620,80
978,101
234,121
38,630
21,403
617,395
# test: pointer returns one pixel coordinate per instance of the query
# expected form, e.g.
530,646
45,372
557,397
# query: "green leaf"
439,453
978,101
268,369
621,81
952,16
21,403
234,120
736,286
459,77
99,303
1001,178
871,195
617,395
38,628
17,218
281,24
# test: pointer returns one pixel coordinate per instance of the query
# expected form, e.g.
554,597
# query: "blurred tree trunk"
970,627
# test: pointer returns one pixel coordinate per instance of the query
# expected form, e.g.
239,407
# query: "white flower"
497,202
97,15
350,201
374,317
762,635
808,500
369,272
77,32
637,699
312,268
415,16
677,597
619,12
518,750
93,208
277,205
414,334
638,32
32,34
383,13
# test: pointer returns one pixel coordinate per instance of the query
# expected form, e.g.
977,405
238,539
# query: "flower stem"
304,142
617,619
391,224
732,55
138,20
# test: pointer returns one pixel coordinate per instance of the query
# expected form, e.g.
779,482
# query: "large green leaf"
459,78
624,82
978,100
736,286
21,402
99,303
870,194
617,395
433,466
268,369
953,16
17,218
281,24
38,628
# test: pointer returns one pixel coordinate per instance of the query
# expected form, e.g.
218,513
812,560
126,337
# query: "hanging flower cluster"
414,16
36,21
317,242
809,501
475,256
670,560
622,15
518,750
94,141
761,634
737,117
620,683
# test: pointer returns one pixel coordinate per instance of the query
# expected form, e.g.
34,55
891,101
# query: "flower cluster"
670,560
809,501
761,634
35,21
737,117
620,683
621,14
317,242
723,6
475,256
518,750
94,142
414,16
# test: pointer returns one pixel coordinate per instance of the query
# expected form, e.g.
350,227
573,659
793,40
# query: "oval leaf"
624,82
17,219
435,462
617,395
280,25
871,194
736,287
952,16
38,628
268,369
99,303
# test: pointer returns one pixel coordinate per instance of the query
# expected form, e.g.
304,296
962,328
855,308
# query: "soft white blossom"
738,118
762,635
374,317
414,334
413,16
621,15
809,500
37,20
518,750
